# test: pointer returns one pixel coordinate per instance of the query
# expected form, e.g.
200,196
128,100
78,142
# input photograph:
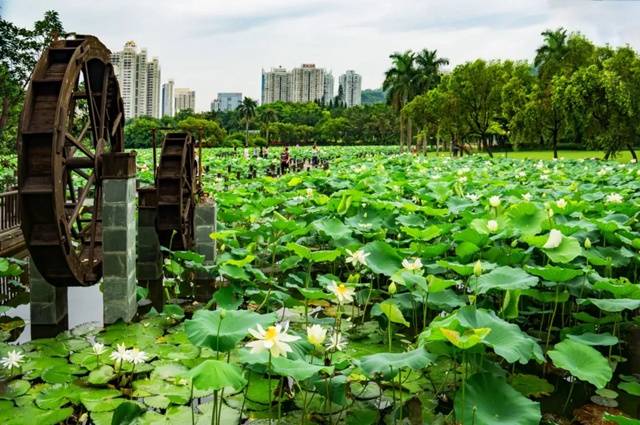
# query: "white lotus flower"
342,292
273,339
494,201
336,342
632,161
492,225
120,354
316,334
416,265
555,239
561,203
474,198
614,198
526,197
13,359
357,257
98,348
309,192
462,179
544,177
136,356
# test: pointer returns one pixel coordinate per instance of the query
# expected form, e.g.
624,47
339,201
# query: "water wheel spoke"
80,202
78,146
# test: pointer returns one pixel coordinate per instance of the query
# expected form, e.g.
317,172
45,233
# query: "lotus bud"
514,243
587,243
223,313
477,269
392,288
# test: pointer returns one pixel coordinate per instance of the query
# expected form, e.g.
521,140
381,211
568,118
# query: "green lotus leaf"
297,369
168,371
527,218
489,400
393,313
632,388
30,414
554,273
531,385
383,258
134,335
467,339
423,234
234,272
178,394
385,366
465,269
566,252
101,375
157,401
175,415
241,262
228,415
620,420
127,413
466,248
56,396
101,400
613,305
582,361
336,230
505,278
14,389
301,251
334,389
473,237
206,329
215,375
619,290
592,339
227,298
61,374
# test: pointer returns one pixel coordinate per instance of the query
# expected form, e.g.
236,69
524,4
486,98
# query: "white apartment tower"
275,85
153,92
328,88
351,84
167,98
184,99
139,81
307,84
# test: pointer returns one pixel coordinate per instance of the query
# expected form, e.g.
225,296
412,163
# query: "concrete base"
119,254
48,303
149,265
206,216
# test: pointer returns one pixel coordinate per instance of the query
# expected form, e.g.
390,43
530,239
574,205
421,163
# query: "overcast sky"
216,46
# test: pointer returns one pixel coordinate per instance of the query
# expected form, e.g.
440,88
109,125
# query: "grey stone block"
149,271
146,217
116,239
203,234
116,190
205,215
208,251
113,215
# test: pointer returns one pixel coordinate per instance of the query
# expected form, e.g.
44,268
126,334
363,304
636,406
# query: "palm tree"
428,70
551,53
268,116
399,84
247,110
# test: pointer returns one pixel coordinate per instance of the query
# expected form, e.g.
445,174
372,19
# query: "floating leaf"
531,385
215,375
589,338
385,366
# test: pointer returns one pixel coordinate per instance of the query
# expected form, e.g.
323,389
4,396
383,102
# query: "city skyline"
223,47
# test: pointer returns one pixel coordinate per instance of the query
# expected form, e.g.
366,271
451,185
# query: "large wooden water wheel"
176,188
73,113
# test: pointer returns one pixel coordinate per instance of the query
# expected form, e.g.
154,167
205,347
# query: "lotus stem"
270,393
553,316
573,382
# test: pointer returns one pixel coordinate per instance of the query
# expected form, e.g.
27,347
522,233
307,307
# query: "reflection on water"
85,305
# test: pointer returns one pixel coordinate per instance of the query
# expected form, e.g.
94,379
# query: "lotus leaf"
582,361
386,366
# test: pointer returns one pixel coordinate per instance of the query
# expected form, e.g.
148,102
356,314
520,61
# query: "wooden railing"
9,210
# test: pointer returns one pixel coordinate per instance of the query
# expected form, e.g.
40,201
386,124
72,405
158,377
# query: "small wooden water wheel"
73,113
176,189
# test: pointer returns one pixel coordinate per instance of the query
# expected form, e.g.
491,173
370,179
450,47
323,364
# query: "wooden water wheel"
73,113
176,188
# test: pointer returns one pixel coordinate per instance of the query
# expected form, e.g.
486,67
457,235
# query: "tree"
399,85
428,71
212,133
247,110
20,50
549,56
268,116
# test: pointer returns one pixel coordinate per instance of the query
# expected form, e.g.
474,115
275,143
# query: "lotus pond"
388,289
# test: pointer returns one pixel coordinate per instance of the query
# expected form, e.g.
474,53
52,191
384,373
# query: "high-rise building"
153,91
351,84
226,102
307,84
139,81
275,85
167,98
328,88
184,99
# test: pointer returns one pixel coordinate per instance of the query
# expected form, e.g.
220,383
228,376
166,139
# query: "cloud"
222,46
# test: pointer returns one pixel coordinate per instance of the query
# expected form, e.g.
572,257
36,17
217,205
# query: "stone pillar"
48,303
119,236
149,264
206,215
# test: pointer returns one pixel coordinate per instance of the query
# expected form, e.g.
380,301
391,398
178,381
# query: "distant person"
285,159
314,156
235,151
255,152
266,152
261,152
456,149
